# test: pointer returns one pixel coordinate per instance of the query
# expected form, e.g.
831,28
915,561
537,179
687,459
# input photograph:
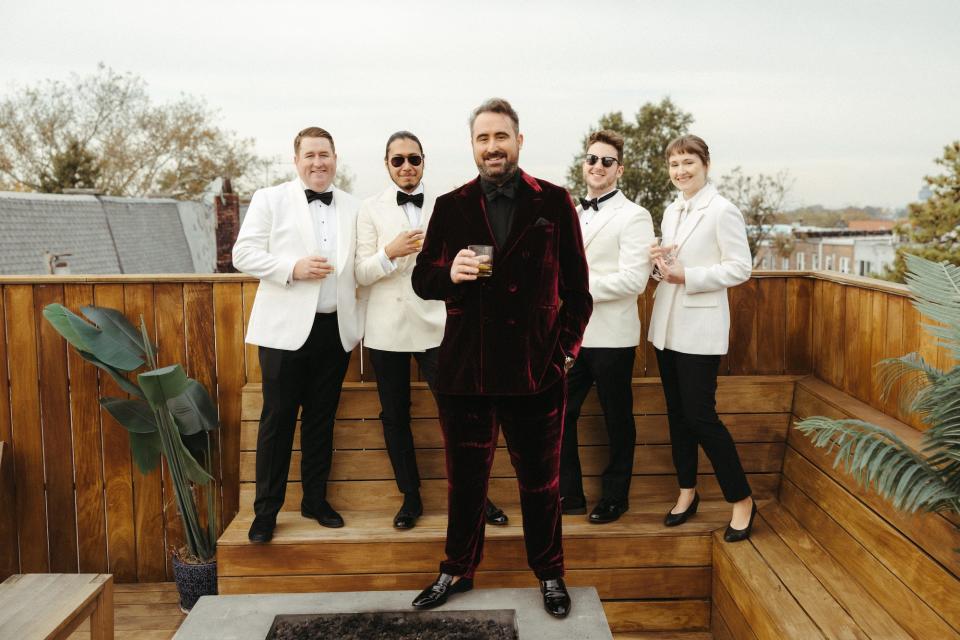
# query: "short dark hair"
691,144
401,135
312,132
496,105
610,137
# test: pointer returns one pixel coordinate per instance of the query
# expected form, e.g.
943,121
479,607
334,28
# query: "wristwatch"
567,363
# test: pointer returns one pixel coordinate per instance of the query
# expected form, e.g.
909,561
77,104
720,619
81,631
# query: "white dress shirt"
324,218
413,215
589,214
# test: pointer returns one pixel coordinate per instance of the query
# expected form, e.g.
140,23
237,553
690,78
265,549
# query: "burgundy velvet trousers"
533,428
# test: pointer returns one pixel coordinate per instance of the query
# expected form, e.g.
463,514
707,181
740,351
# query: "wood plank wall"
81,505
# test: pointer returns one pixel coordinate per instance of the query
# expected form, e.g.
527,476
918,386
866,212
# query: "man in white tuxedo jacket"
299,239
616,236
399,324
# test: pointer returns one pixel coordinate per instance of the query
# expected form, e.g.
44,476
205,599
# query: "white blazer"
617,243
695,317
397,318
276,232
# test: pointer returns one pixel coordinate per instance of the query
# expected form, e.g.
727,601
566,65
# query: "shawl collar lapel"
529,201
603,217
301,213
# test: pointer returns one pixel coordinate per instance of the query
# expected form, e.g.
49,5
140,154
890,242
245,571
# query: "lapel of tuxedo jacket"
694,217
474,207
603,217
301,212
529,201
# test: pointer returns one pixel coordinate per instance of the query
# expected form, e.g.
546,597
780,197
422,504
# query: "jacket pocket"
705,299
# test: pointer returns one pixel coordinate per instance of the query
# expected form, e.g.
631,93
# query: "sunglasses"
606,161
413,159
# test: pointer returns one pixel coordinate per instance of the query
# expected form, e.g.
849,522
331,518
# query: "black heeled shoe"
676,519
737,535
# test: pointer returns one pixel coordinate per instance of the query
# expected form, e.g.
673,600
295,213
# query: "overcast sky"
855,99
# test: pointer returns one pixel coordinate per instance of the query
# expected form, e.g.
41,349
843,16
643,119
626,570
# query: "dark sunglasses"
413,159
606,161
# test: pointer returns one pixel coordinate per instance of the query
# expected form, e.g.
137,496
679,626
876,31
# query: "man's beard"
501,176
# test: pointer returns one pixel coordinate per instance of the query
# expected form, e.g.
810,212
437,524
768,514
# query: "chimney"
227,209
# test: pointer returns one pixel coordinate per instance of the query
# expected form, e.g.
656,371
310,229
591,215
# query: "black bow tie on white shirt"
326,197
594,203
403,198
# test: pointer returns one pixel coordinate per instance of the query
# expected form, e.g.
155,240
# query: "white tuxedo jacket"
617,243
276,232
397,318
695,317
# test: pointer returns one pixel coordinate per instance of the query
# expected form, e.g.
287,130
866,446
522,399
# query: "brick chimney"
227,208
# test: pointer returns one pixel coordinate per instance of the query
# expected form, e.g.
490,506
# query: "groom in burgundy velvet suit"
508,341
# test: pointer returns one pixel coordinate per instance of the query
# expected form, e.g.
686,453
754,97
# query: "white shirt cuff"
389,266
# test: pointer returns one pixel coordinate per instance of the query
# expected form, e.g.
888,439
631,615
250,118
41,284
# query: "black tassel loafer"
441,589
556,600
674,519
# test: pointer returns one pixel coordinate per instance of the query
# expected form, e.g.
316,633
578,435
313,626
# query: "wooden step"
383,495
650,578
735,394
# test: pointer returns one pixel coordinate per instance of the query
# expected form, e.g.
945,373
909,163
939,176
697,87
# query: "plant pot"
193,581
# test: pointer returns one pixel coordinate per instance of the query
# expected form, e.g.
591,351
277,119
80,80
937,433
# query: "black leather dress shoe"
406,518
441,589
736,535
573,506
556,600
324,515
494,515
608,511
261,531
674,519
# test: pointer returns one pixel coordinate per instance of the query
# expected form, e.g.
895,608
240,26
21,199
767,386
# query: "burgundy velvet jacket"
507,334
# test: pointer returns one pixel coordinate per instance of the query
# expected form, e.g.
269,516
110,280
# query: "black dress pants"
393,386
310,377
690,389
612,370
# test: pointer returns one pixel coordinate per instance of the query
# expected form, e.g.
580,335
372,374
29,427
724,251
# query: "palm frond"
877,458
936,289
912,371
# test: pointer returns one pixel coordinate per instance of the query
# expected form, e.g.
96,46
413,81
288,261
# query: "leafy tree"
645,179
73,168
103,128
933,230
760,200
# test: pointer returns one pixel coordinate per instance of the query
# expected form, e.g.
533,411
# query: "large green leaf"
117,375
163,384
135,415
193,409
146,450
109,345
105,317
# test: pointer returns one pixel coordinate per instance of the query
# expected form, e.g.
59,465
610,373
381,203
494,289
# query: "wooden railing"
81,505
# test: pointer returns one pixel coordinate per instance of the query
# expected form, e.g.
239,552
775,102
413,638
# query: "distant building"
91,234
864,248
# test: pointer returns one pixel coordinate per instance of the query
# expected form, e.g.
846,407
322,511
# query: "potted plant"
167,414
927,480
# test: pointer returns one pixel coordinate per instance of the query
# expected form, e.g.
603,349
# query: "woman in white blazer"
704,252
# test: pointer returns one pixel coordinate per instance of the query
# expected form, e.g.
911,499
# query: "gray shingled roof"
104,234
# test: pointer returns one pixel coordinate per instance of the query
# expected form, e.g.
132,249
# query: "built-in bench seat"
833,560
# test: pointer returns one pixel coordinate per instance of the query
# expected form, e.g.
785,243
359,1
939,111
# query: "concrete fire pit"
250,617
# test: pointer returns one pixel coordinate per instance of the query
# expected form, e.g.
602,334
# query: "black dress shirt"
501,205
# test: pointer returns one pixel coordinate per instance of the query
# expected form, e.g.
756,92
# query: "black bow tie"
404,197
326,197
594,203
507,189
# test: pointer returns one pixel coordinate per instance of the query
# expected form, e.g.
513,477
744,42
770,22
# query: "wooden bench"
650,578
834,560
42,606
